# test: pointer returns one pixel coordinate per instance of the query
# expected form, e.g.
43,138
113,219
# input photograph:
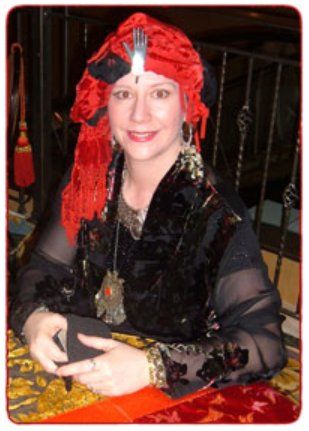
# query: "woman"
165,251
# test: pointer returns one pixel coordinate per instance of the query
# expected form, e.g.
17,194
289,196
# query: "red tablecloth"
255,403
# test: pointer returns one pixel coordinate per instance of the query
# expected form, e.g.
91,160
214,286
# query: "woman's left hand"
120,370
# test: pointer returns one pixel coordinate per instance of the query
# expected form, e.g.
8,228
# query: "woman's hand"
39,329
122,369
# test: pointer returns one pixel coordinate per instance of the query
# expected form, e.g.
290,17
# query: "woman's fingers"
90,378
81,367
47,353
39,329
48,364
56,354
121,370
99,343
40,323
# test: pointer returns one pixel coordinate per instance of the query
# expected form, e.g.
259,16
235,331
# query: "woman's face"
146,117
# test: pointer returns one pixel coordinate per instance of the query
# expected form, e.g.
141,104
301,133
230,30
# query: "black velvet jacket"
171,271
195,281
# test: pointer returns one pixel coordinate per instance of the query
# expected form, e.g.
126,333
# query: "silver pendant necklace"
109,298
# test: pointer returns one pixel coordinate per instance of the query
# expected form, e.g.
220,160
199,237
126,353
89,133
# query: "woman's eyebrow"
164,83
121,86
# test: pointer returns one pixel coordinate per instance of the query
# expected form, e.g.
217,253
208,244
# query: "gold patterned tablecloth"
34,395
287,381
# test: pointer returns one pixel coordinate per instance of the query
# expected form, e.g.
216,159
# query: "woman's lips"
141,136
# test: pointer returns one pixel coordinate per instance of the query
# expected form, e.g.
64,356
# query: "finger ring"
92,364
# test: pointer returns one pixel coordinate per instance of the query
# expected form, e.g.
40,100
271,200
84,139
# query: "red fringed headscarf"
169,53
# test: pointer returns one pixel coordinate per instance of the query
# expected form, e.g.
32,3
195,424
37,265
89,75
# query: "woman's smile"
141,136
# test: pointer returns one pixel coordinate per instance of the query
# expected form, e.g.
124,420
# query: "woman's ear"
184,103
185,106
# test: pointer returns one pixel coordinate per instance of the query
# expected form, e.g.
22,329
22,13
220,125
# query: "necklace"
129,217
132,219
109,298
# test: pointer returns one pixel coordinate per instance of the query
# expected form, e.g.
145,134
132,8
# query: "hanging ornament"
23,159
109,299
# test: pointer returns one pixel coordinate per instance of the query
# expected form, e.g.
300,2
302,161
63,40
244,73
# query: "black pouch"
69,343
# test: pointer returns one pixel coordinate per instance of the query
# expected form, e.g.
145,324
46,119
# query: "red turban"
169,53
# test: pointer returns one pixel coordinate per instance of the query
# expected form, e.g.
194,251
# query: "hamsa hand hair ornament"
138,55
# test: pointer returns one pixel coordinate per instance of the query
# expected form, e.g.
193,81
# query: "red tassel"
203,127
23,160
197,142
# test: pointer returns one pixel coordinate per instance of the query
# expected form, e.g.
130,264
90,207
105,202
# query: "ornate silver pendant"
109,299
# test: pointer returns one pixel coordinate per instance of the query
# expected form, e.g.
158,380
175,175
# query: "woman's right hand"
39,329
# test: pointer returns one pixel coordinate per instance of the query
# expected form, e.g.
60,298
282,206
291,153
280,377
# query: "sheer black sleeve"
52,257
244,340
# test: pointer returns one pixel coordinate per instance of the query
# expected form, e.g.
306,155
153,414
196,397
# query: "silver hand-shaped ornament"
138,55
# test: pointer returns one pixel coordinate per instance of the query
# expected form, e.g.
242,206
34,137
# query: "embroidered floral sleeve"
190,366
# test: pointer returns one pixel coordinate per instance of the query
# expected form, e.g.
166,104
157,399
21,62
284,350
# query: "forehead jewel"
138,54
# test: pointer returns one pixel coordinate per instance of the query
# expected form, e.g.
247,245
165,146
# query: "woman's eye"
122,94
161,94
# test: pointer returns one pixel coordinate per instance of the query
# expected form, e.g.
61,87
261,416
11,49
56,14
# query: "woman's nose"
140,109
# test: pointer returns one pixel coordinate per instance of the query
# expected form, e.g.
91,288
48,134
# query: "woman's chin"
139,156
139,152
150,151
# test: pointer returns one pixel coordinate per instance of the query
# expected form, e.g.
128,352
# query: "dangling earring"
191,160
186,133
115,145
